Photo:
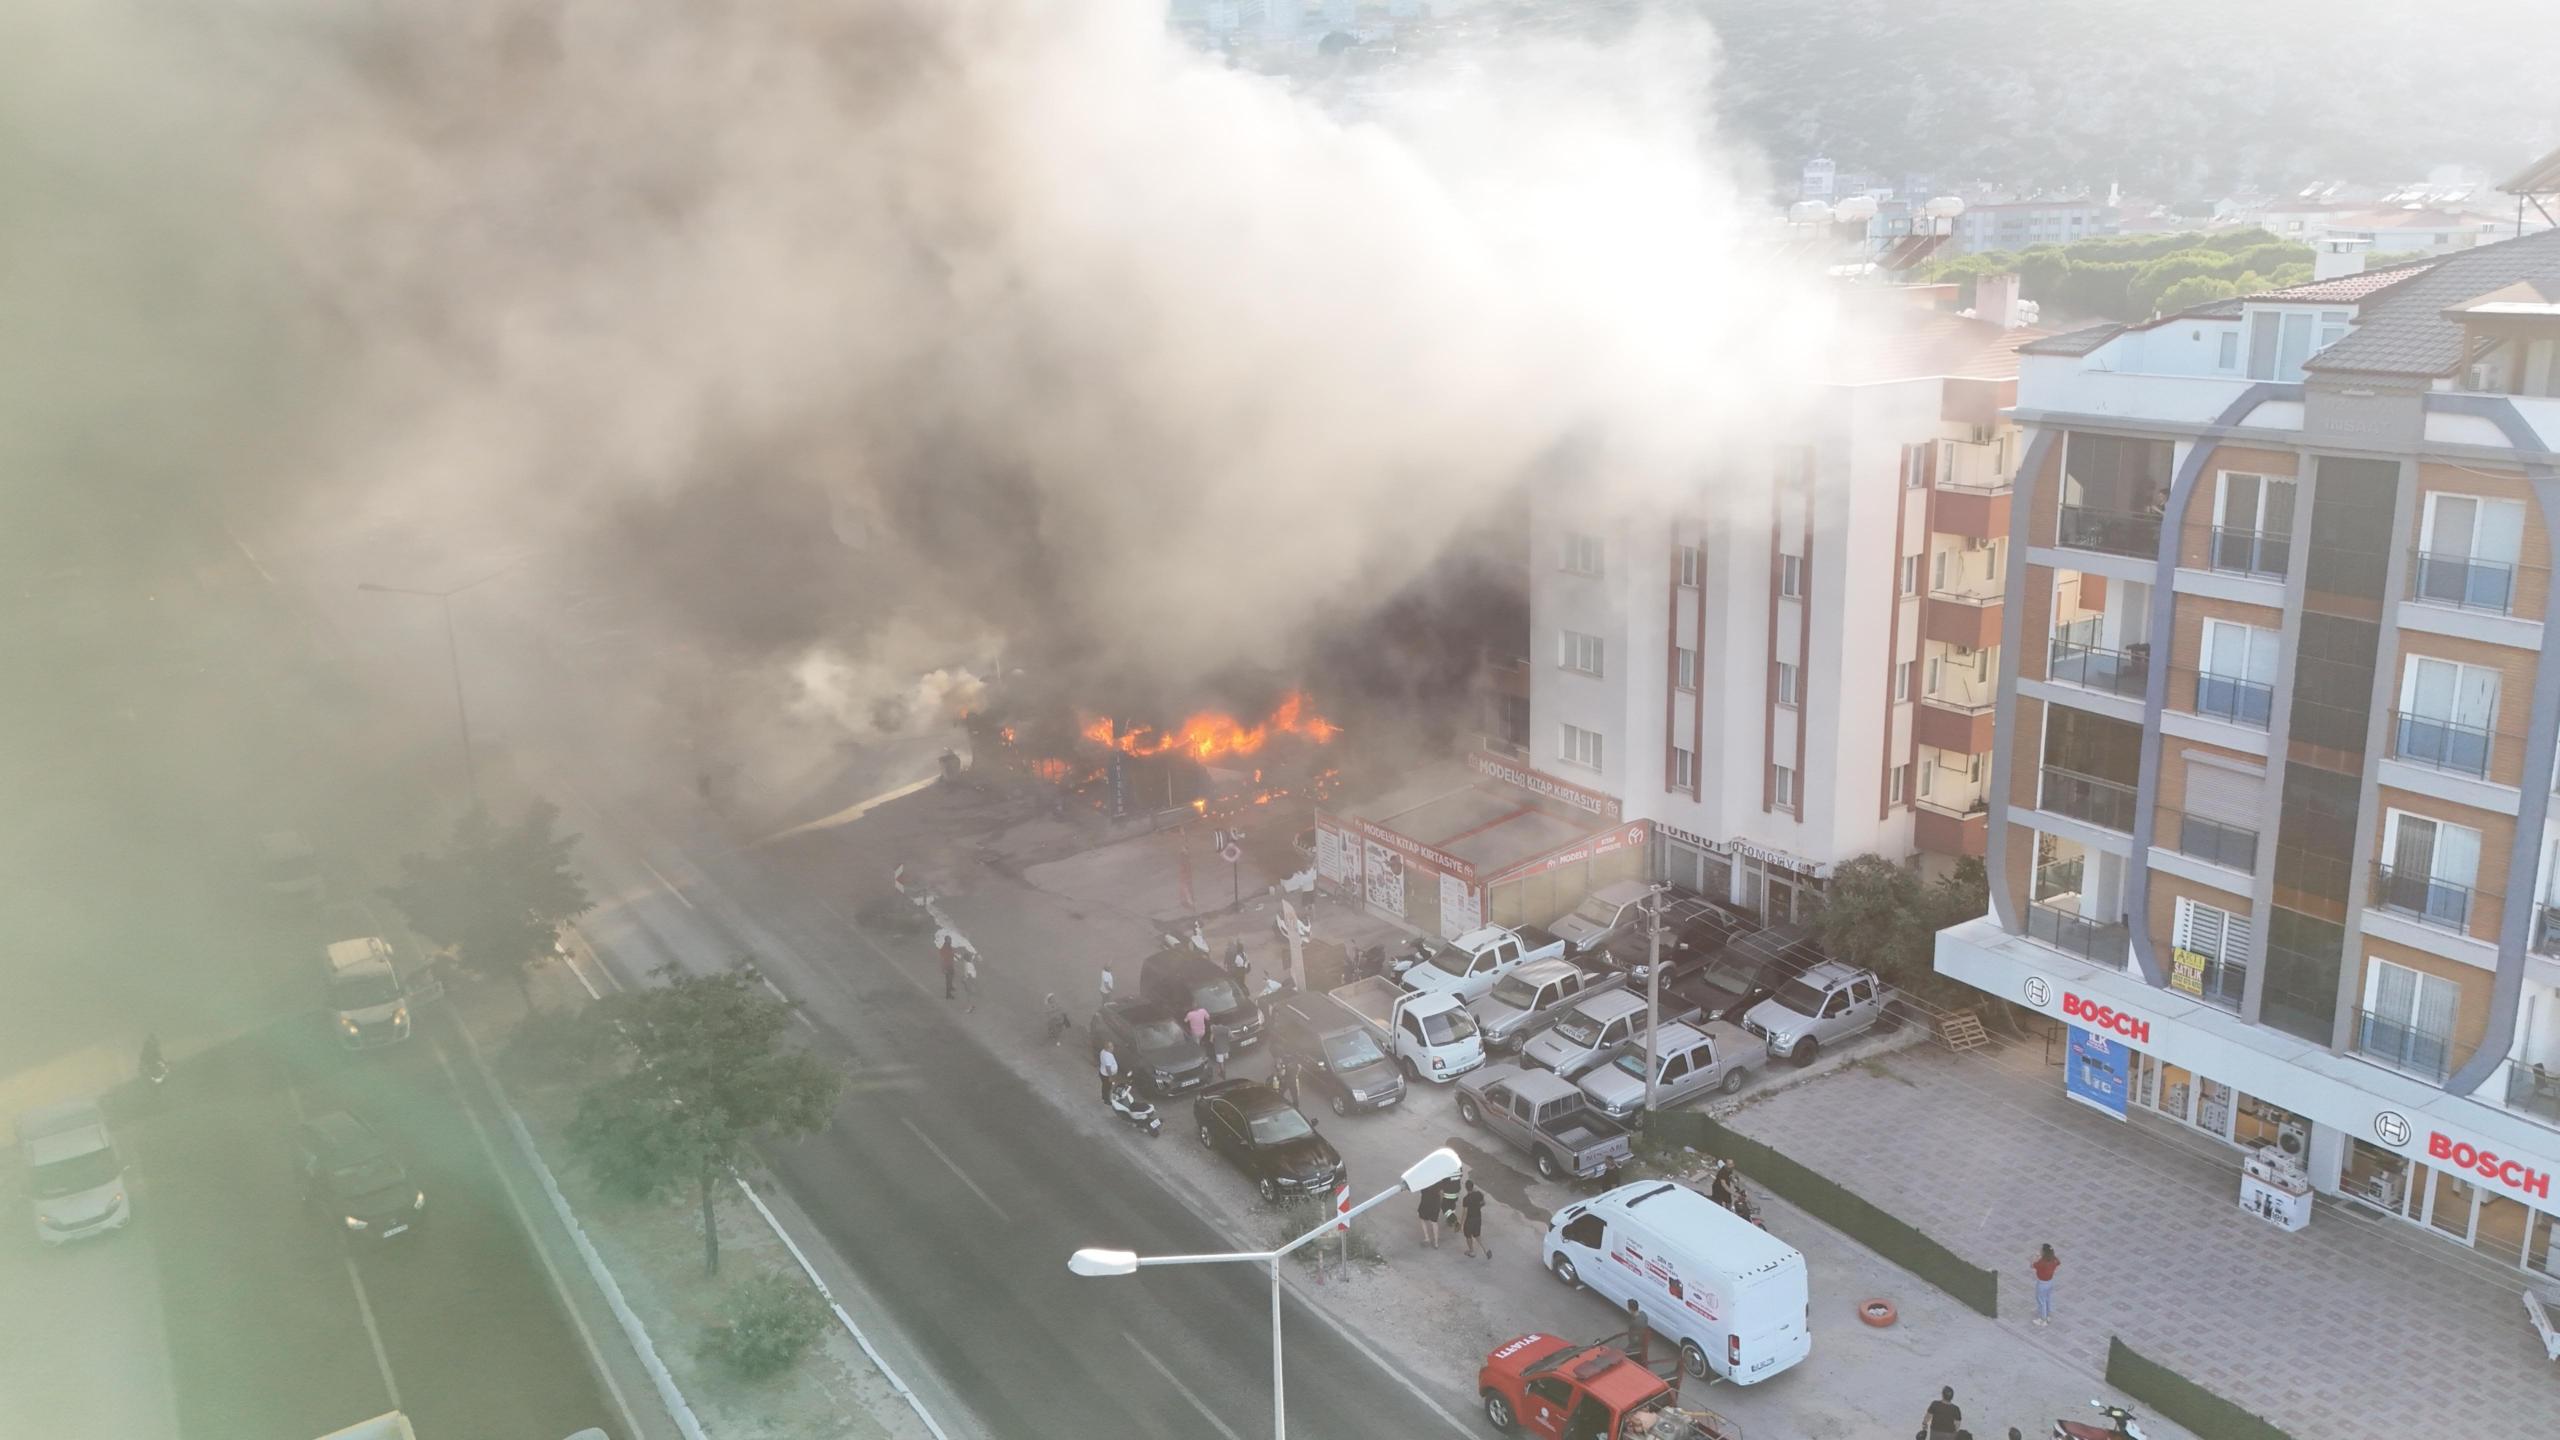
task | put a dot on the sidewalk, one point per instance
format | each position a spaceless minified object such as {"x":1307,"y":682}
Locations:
{"x":2353,"y":1328}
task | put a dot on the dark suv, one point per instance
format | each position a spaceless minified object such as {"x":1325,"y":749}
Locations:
{"x":351,"y":1177}
{"x":1181,"y":979}
{"x":1156,"y":1054}
{"x":1335,"y":1054}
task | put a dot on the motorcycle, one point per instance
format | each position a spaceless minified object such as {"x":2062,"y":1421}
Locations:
{"x":1140,"y":1115}
{"x":1176,"y":939}
{"x":1363,"y":963}
{"x":2123,"y":1426}
{"x":1280,"y":928}
{"x":1415,"y":952}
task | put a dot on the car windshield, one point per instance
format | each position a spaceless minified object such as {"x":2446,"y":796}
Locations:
{"x":1517,"y":993}
{"x":1155,"y":1034}
{"x":1799,"y":997}
{"x":1352,"y":1049}
{"x":75,"y":1173}
{"x":363,"y":1177}
{"x":1597,"y":910}
{"x":1448,"y":1028}
{"x":1578,"y":1027}
{"x":1456,"y":962}
{"x":1632,"y":1062}
{"x":1279,"y":1127}
{"x":1217,"y":996}
{"x":359,"y":992}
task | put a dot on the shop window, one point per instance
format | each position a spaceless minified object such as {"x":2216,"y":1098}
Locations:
{"x":2375,"y":1176}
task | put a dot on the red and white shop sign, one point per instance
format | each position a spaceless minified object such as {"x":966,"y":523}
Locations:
{"x":2096,"y":1016}
{"x":2488,"y":1165}
{"x":1608,"y":844}
{"x":1539,"y":782}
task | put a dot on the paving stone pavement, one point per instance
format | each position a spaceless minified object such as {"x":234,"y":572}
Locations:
{"x":2356,"y":1327}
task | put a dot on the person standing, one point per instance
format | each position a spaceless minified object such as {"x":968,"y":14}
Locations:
{"x":1727,"y":1185}
{"x":969,"y":976}
{"x":1944,"y":1416}
{"x":2044,"y":1266}
{"x":1106,"y":983}
{"x":950,"y":954}
{"x":1639,"y":1335}
{"x":1428,"y":1211}
{"x":1108,"y":1066}
{"x":1471,"y":1218}
{"x":1197,"y":1022}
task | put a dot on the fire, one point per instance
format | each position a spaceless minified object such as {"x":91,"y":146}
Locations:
{"x":1212,"y":734}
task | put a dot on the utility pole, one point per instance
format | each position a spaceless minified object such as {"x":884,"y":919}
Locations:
{"x":1652,"y":991}
{"x":453,"y":659}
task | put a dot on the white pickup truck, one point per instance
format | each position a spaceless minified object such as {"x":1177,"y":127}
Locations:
{"x":1468,"y":966}
{"x":1431,"y":1034}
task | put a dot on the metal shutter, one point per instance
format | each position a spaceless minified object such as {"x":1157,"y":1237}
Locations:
{"x":2231,"y":797}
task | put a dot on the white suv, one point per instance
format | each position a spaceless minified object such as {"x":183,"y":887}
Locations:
{"x":1825,"y":1005}
{"x":72,"y":1172}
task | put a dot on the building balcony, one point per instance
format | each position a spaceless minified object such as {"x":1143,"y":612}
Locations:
{"x":2090,"y":798}
{"x":1941,"y":830}
{"x":2442,"y":744}
{"x":2079,"y":936}
{"x":2233,"y":847}
{"x":2110,"y":532}
{"x":1965,"y":730}
{"x":2123,"y":672}
{"x":2462,"y":581}
{"x":2428,"y":899}
{"x":2546,"y":930}
{"x":2533,"y":1089}
{"x":2395,"y":1044}
{"x":1954,"y":618}
{"x":1974,"y":513}
{"x":2267,"y":554}
{"x":2223,"y":697}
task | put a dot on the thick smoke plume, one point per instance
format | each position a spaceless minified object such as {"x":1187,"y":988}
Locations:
{"x":850,"y":339}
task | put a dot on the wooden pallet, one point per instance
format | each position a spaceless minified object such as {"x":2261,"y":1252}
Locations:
{"x":1961,"y":1030}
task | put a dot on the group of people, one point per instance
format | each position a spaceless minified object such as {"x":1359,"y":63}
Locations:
{"x":1457,"y":1201}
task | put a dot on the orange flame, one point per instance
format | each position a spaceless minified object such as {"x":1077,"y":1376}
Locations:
{"x":1212,"y":734}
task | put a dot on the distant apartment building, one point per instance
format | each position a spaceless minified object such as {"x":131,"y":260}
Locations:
{"x":2015,"y":225}
{"x":2271,"y":820}
{"x":1794,"y":662}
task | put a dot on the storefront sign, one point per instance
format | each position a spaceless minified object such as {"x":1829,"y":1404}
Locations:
{"x":2186,"y":972}
{"x":1440,"y":860}
{"x":1609,"y":843}
{"x":1780,"y":858}
{"x":1458,"y":912}
{"x":2098,"y":1073}
{"x":2488,"y":1165}
{"x":2106,"y":1017}
{"x":1384,"y":872}
{"x":1337,"y":854}
{"x":1538,"y":782}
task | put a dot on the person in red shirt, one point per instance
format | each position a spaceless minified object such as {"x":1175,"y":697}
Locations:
{"x":2045,"y":1263}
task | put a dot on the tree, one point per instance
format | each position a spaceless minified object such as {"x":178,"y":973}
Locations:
{"x":705,"y":1075}
{"x":496,"y":898}
{"x":1868,"y":912}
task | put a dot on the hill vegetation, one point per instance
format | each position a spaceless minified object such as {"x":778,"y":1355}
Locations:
{"x":2134,"y":277}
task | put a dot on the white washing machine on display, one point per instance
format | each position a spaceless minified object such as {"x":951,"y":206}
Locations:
{"x":2275,"y":1188}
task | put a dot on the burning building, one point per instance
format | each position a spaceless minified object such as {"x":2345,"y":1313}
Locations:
{"x":1211,"y":761}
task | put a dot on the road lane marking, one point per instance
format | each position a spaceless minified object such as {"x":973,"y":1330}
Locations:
{"x":644,"y":864}
{"x":796,"y":1013}
{"x":1184,"y":1390}
{"x":955,"y":1169}
{"x":542,"y":1252}
{"x":372,"y":1332}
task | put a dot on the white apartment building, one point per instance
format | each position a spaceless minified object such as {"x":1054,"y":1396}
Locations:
{"x":1794,"y":661}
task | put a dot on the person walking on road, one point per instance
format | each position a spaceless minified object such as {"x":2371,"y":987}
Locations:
{"x":969,"y":976}
{"x":1107,"y":1065}
{"x":1471,"y":1218}
{"x":2045,"y":1263}
{"x":1107,"y":983}
{"x":1429,"y":1211}
{"x":1639,"y":1336}
{"x":950,"y":954}
{"x":1944,"y":1417}
{"x":1197,"y":1022}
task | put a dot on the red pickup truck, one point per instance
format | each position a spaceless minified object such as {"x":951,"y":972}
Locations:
{"x":1557,"y":1389}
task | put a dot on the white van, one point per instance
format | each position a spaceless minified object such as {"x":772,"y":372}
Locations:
{"x":365,"y":994}
{"x":1731,"y":1294}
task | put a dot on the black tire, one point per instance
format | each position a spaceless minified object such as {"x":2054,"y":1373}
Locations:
{"x":1564,"y":1271}
{"x":1468,"y":1112}
{"x":1339,"y":1103}
{"x":1694,"y":1358}
{"x":1412,"y":1074}
{"x":1206,"y":1142}
{"x":1733,"y":1079}
{"x":1270,"y":1192}
{"x":1806,"y":1050}
{"x":1498,"y":1411}
{"x":1546,"y":1165}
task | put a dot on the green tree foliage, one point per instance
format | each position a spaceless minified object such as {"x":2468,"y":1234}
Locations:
{"x":1878,"y":914}
{"x":494,"y":896}
{"x":2131,"y":277}
{"x":768,"y":1322}
{"x":705,"y":1075}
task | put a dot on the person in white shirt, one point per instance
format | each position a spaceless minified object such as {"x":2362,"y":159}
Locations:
{"x":1106,"y":984}
{"x":1108,"y":1066}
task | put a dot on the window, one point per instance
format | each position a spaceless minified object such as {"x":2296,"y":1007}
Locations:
{"x":1582,"y":553}
{"x":1786,"y":683}
{"x":1915,"y":467}
{"x":2279,"y":341}
{"x":1928,"y":768}
{"x":1905,"y":675}
{"x":2237,"y":681}
{"x":1898,"y":785}
{"x":1973,"y":771}
{"x":1910,"y":574}
{"x":2428,"y":868}
{"x":1790,"y":575}
{"x":1938,"y":569}
{"x":2211,"y":955}
{"x":2229,"y":359}
{"x":1684,"y":769}
{"x":1580,"y":747}
{"x":2447,"y":715}
{"x":1685,"y":561}
{"x":1684,"y":668}
{"x":1937,"y":666}
{"x":2408,"y":1019}
{"x":2333,"y":326}
{"x":1995,"y":558}
{"x":2467,"y":552}
{"x":1782,"y":785}
{"x":2253,"y":523}
{"x":1578,"y":651}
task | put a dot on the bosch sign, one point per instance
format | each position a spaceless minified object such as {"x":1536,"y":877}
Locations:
{"x":2489,"y":1165}
{"x":2106,"y":1017}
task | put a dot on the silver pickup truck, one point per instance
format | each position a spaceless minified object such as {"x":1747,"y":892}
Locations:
{"x":1522,"y":1002}
{"x":1543,"y":1114}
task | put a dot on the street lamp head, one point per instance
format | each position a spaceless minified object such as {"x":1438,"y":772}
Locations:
{"x":1441,"y":1164}
{"x":1103,"y":1262}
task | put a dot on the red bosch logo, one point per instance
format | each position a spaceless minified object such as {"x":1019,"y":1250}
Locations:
{"x":2489,"y":1165}
{"x":2105,"y":1017}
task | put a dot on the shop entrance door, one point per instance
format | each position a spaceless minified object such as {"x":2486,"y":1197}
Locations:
{"x":1782,"y":903}
{"x":2450,"y":1203}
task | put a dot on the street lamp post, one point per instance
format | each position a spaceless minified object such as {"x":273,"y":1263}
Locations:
{"x":453,"y":656}
{"x":1423,"y":1174}
{"x":1652,"y":993}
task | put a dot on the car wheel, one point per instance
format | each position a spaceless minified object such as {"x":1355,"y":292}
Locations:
{"x":1468,"y":1112}
{"x":1269,"y":1191}
{"x":1207,"y":1143}
{"x":1498,"y":1410}
{"x":1340,"y":1103}
{"x":1694,"y":1358}
{"x":1563,"y":1266}
{"x":1411,"y":1072}
{"x":1806,"y":1049}
{"x":1733,"y":1079}
{"x":1546,"y":1165}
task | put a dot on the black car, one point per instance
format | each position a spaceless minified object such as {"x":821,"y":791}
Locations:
{"x":1694,"y":931}
{"x":1335,"y":1054}
{"x":1156,"y":1054}
{"x":1181,"y":979}
{"x":1262,"y":1134}
{"x":351,"y":1177}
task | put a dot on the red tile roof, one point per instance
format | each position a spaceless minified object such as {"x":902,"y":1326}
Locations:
{"x":2345,"y":289}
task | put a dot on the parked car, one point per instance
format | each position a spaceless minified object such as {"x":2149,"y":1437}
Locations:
{"x":1255,"y":1129}
{"x":1731,"y":982}
{"x":1825,"y":1005}
{"x":1336,"y":1054}
{"x":1431,"y":1035}
{"x":1468,"y":966}
{"x":1157,"y":1055}
{"x":1586,"y":1033}
{"x":349,"y":1175}
{"x":73,"y":1174}
{"x":1690,"y":1059}
{"x":1180,"y":979}
{"x":1522,"y":1002}
{"x":1546,"y":1118}
{"x":1694,"y":931}
{"x":1602,"y":914}
{"x":1732,"y":1295}
{"x":1549,"y":1388}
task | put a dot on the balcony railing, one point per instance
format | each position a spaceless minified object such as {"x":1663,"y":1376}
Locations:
{"x":1968,"y":597}
{"x":2463,"y":581}
{"x":2403,"y":891}
{"x":2395,"y":1042}
{"x":2076,"y":934}
{"x":2534,"y":1089}
{"x":2441,"y":744}
{"x":2250,"y":552}
{"x":2224,"y":982}
{"x":2546,"y":930}
{"x":2094,"y":667}
{"x":2114,"y":532}
{"x":2213,"y":842}
{"x":2229,"y":697}
{"x":2102,"y":803}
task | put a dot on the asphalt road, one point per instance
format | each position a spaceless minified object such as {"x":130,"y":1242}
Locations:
{"x":956,"y":1194}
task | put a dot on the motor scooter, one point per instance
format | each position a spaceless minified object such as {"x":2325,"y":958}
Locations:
{"x":1140,"y":1115}
{"x":1280,"y":927}
{"x":1415,"y":952}
{"x":1195,"y":937}
{"x":2121,"y":1426}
